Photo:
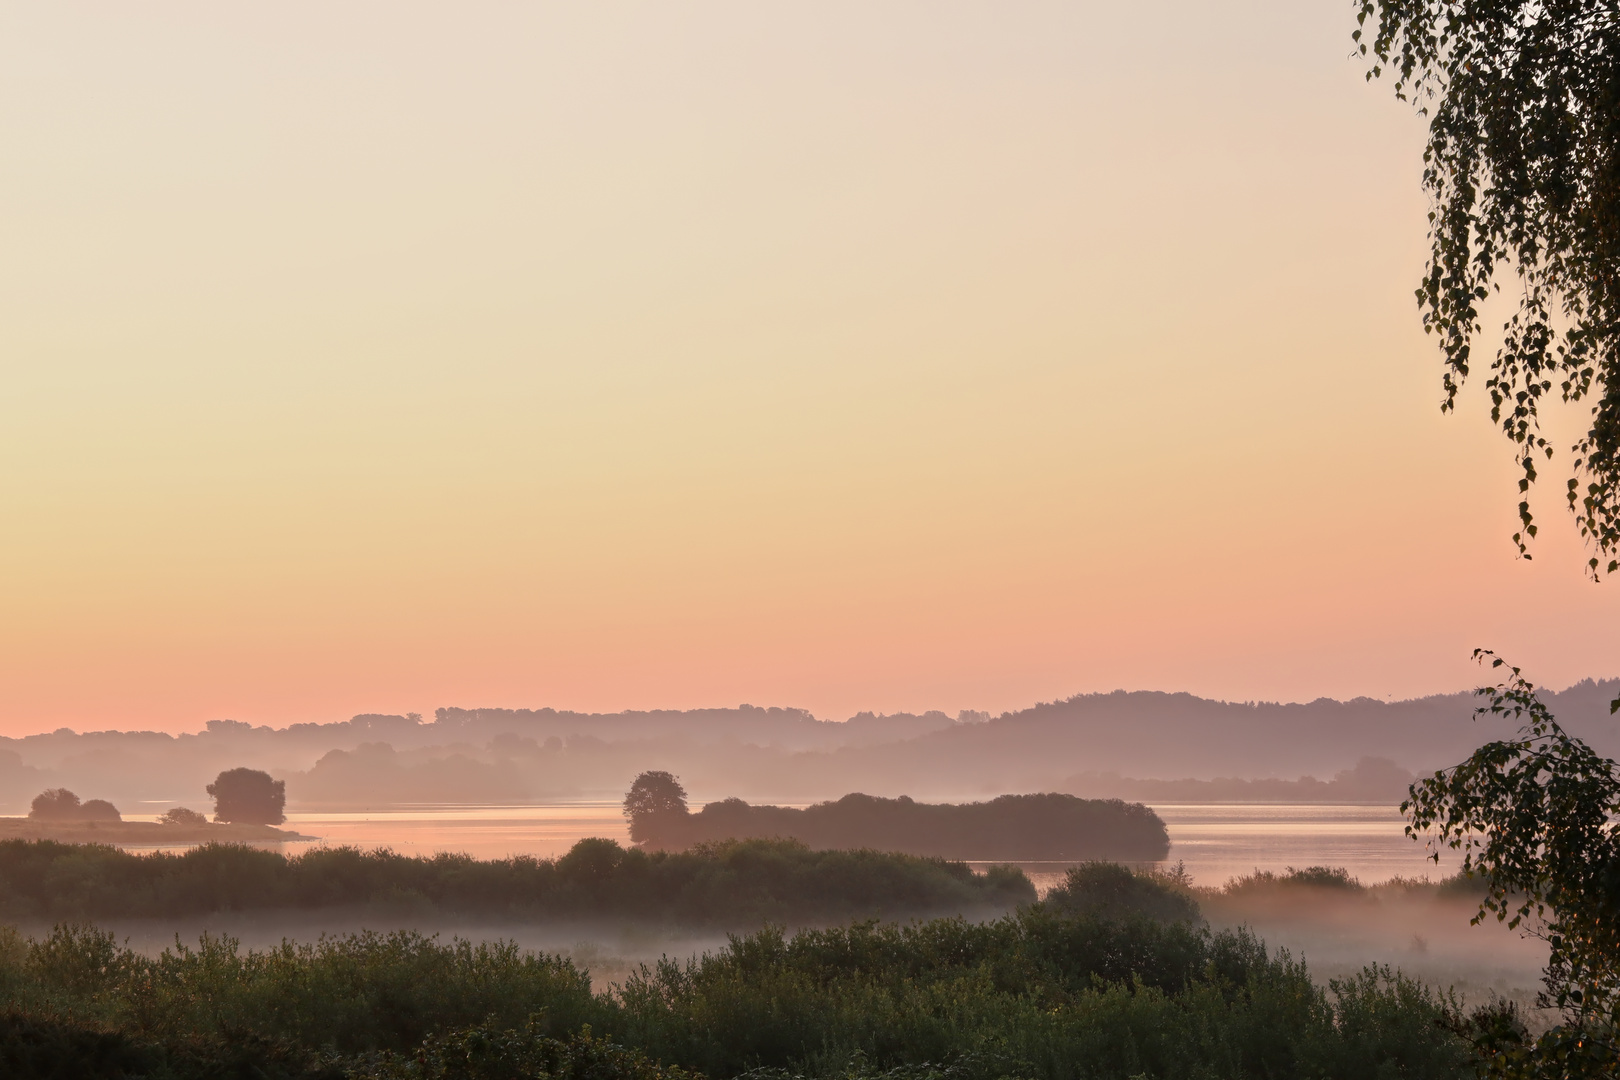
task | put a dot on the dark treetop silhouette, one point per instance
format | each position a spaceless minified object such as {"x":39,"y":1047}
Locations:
{"x":60,"y":804}
{"x":1012,"y":827}
{"x":249,"y":797}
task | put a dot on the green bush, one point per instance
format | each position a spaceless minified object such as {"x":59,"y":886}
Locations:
{"x":1312,"y":877}
{"x":1037,"y":994}
{"x":1042,"y":994}
{"x":1108,"y":890}
{"x":352,"y":993}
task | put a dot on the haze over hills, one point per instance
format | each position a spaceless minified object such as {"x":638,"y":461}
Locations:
{"x":1092,"y":744}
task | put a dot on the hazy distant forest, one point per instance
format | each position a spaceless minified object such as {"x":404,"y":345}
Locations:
{"x":1134,"y":746}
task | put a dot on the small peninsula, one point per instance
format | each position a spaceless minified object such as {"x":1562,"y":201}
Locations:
{"x":143,"y":833}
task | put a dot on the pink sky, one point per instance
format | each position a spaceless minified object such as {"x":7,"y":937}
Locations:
{"x":929,"y":356}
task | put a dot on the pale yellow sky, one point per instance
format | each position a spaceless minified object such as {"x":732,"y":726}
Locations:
{"x":376,"y":357}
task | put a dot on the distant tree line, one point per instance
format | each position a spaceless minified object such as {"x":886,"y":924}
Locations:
{"x":1373,"y":780}
{"x":1049,"y":826}
{"x":736,"y":884}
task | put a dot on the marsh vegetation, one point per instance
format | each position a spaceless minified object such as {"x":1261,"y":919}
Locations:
{"x":729,"y":884}
{"x":1065,"y":988}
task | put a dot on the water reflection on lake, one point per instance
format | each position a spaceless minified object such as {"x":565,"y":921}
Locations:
{"x":486,"y":832}
{"x":1218,"y":842}
{"x":1215,"y":841}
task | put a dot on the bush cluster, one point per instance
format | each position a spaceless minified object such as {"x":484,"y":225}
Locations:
{"x":1109,"y":890}
{"x":743,"y":883}
{"x":1039,"y":994}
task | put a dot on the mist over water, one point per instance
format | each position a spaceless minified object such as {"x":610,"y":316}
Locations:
{"x":1426,"y":935}
{"x":1214,"y":842}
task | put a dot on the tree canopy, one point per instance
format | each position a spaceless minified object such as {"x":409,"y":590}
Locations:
{"x":248,"y":796}
{"x":1537,"y":817}
{"x":653,"y":799}
{"x":1523,"y":167}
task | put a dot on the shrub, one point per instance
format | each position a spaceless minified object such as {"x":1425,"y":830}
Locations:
{"x":55,"y":804}
{"x":60,"y":804}
{"x":99,"y":810}
{"x":1312,"y":877}
{"x":1109,"y":890}
{"x":1038,"y":994}
{"x":180,"y":815}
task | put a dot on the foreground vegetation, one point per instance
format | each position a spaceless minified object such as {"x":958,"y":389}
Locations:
{"x":1055,"y":991}
{"x":725,"y":885}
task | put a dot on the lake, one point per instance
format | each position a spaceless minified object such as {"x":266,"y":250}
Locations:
{"x":1214,"y":841}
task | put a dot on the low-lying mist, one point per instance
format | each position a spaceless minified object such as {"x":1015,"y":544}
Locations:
{"x":1420,"y":928}
{"x":1335,"y":924}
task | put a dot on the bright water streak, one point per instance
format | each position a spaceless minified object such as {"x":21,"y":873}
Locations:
{"x":1216,"y":842}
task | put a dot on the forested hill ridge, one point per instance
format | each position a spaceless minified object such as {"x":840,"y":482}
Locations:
{"x":776,"y":754}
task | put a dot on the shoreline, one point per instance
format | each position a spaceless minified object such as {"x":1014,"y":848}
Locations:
{"x":119,"y":833}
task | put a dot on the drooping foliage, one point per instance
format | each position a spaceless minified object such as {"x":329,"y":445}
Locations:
{"x":1537,"y":818}
{"x":1523,"y":169}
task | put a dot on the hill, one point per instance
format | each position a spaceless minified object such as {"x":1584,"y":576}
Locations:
{"x":524,"y":756}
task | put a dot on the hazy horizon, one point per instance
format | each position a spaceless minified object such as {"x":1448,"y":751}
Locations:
{"x":925,"y":356}
{"x":962,"y":715}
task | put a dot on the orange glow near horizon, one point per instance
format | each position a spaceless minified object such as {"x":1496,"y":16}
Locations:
{"x":392,"y":357}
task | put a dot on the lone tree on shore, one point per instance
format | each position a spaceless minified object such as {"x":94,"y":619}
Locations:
{"x":248,"y":797}
{"x":655,"y":803}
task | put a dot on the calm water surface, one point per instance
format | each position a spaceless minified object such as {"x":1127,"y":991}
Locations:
{"x":1214,"y":841}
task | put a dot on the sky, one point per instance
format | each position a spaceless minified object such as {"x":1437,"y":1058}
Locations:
{"x":376,"y":357}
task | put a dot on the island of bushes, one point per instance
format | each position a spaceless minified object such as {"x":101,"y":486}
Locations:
{"x":1012,"y":828}
{"x":247,"y":806}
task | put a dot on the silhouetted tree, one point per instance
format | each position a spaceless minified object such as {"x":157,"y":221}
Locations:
{"x":656,"y":806}
{"x":55,"y":804}
{"x":248,"y":796}
{"x":99,"y":810}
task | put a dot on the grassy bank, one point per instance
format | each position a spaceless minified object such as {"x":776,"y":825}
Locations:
{"x":735,"y":884}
